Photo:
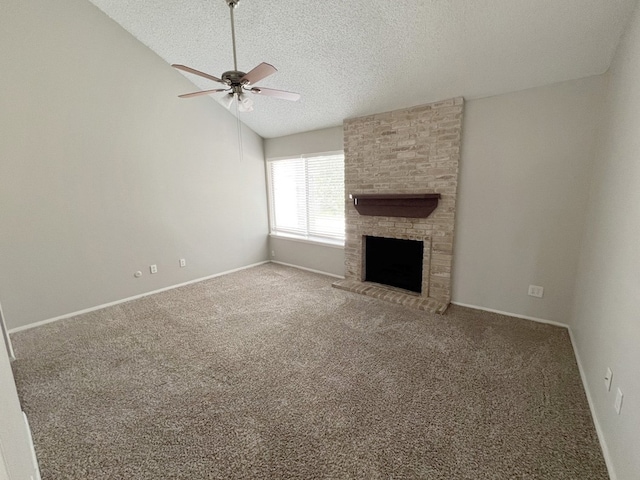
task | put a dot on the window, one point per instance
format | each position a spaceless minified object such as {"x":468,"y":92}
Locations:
{"x":306,"y":197}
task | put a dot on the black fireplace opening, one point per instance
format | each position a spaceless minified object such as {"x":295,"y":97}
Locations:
{"x":394,"y":262}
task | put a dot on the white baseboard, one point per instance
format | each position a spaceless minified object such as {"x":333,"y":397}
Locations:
{"x":34,"y":459}
{"x":599,"y":432}
{"x":128,"y":299}
{"x":516,"y":315}
{"x":308,"y":269}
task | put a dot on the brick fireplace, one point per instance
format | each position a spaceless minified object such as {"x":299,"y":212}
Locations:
{"x":407,"y":153}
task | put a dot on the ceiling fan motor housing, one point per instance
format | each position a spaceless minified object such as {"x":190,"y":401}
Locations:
{"x":233,"y":77}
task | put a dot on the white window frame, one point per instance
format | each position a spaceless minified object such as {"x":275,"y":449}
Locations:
{"x":305,"y":238}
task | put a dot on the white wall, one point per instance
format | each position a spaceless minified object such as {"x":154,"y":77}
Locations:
{"x":317,"y":141}
{"x":329,"y":259}
{"x":104,"y":171}
{"x":4,"y":474}
{"x":315,"y":256}
{"x":16,"y":461}
{"x":523,"y":186}
{"x":606,"y":317}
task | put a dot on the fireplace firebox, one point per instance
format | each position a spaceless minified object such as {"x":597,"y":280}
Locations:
{"x":394,"y":262}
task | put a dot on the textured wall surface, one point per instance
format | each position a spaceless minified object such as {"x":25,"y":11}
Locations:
{"x":606,"y":315}
{"x":105,"y":171}
{"x":414,"y":150}
{"x":526,"y":165}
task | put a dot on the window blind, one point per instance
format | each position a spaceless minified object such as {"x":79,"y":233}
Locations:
{"x":307,"y":196}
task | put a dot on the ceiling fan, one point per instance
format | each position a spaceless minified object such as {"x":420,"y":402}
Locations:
{"x":238,"y":83}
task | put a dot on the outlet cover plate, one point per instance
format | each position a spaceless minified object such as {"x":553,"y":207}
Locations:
{"x":618,"y":404}
{"x":536,"y":291}
{"x":607,"y":379}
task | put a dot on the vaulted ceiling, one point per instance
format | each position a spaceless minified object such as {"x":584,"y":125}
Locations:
{"x":357,"y":57}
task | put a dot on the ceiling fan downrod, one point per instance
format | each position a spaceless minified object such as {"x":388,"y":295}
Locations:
{"x":233,"y":4}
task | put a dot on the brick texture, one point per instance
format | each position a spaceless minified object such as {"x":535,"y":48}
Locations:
{"x":414,"y":150}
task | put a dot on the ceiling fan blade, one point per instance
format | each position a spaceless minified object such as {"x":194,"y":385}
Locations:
{"x":261,"y":71}
{"x":270,"y":92}
{"x":202,"y":92}
{"x":184,"y":68}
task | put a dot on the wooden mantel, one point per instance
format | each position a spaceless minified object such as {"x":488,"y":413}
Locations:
{"x":412,"y":205}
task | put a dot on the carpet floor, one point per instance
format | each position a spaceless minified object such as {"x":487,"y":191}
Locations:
{"x":270,"y":373}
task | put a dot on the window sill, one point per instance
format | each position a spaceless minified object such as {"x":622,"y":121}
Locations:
{"x":324,"y":242}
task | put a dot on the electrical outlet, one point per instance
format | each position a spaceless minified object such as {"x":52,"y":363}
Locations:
{"x":273,"y":254}
{"x":618,"y":404}
{"x":607,"y":379}
{"x":535,"y":291}
{"x":183,"y":262}
{"x":153,"y":268}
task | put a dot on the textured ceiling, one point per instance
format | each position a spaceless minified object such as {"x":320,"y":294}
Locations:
{"x":356,"y":57}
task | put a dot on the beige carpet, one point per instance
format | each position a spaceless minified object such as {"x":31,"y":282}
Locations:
{"x":269,"y":373}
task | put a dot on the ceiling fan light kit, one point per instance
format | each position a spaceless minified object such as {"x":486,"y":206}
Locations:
{"x":237,"y":83}
{"x":226,"y":100}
